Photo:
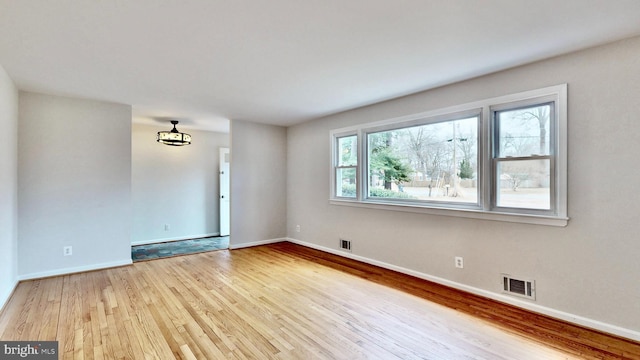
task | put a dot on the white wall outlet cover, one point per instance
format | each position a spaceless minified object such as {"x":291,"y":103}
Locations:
{"x":459,"y":262}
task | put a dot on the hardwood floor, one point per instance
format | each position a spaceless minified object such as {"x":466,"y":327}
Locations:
{"x":282,"y":301}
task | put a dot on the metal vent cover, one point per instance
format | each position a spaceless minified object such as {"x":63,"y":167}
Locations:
{"x":519,"y":287}
{"x":345,"y":244}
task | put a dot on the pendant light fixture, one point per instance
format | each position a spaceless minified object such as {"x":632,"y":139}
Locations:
{"x":174,"y":137}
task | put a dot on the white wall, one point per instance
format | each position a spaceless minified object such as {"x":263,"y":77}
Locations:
{"x":258,"y":183}
{"x":8,"y":186}
{"x":175,"y":185}
{"x":586,"y":272}
{"x":74,"y":184}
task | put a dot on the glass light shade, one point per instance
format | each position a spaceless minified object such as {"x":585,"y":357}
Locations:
{"x":173,"y":137}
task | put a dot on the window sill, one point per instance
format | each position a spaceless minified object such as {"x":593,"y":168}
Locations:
{"x":463,"y":213}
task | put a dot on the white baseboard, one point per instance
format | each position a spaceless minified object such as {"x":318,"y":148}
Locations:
{"x":156,"y":241}
{"x":561,"y":315}
{"x":6,"y":297}
{"x":255,"y":243}
{"x":74,"y":270}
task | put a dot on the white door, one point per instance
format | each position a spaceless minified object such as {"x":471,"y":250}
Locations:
{"x":224,"y":192}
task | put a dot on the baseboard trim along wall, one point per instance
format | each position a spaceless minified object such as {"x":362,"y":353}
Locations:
{"x":189,"y":237}
{"x":561,"y":315}
{"x":5,"y":301}
{"x":79,"y":269}
{"x":255,"y":243}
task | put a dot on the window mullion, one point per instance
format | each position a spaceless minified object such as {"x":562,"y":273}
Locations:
{"x":486,"y":175}
{"x":363,"y":159}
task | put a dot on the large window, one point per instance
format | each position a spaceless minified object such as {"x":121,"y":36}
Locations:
{"x":499,"y":159}
{"x":429,"y":162}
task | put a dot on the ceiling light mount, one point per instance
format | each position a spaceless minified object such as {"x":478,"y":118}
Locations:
{"x":174,"y":137}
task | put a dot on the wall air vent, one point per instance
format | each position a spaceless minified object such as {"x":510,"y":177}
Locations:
{"x":519,"y":287}
{"x":345,"y":245}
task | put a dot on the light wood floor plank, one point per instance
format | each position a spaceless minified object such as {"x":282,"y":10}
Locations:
{"x":282,"y":301}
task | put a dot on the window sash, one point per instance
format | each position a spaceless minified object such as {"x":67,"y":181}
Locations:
{"x":496,"y":187}
{"x":552,"y":210}
{"x":442,"y":119}
{"x":339,"y":186}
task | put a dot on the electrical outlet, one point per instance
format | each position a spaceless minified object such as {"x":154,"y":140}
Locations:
{"x":167,"y":227}
{"x":67,"y":250}
{"x":459,"y":261}
{"x":297,"y":228}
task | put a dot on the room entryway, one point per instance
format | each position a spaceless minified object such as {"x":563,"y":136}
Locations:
{"x":179,"y":247}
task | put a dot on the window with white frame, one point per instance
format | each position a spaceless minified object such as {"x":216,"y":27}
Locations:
{"x":523,"y":157}
{"x":431,"y":160}
{"x":346,"y":160}
{"x":499,"y":159}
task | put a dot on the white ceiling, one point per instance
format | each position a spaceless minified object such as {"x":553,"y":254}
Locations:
{"x":284,"y":61}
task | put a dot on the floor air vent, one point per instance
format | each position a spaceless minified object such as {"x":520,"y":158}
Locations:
{"x":519,"y":287}
{"x":345,"y":244}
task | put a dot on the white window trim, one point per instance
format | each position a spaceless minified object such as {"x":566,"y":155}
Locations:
{"x":558,"y":93}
